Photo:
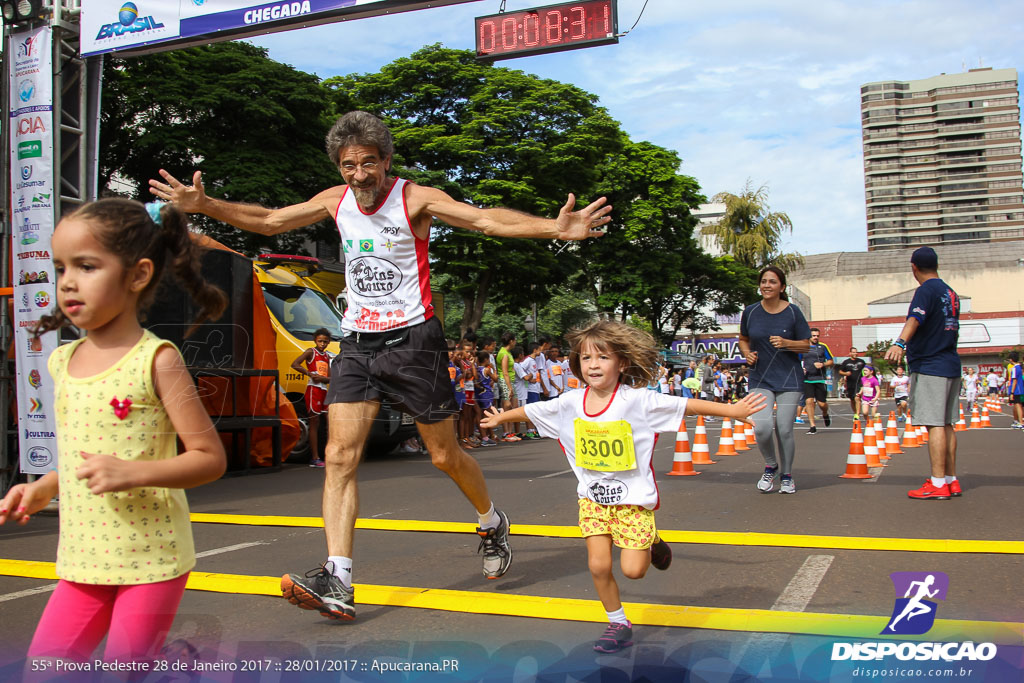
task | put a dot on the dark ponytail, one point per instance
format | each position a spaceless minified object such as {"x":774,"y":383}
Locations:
{"x":131,"y":231}
{"x":185,"y":264}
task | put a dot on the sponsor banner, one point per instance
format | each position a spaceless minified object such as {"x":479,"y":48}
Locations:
{"x":32,"y":223}
{"x":725,"y":349}
{"x":110,"y":25}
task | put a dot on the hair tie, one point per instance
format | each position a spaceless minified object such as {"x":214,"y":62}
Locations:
{"x":153,"y":209}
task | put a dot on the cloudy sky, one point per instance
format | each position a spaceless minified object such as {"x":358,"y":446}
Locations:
{"x":765,"y":90}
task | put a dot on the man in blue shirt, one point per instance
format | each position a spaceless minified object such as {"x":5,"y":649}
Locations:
{"x":929,"y":339}
{"x":1015,"y":389}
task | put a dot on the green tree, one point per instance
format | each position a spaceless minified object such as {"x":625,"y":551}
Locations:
{"x":751,"y":232}
{"x":876,"y":352}
{"x":255,"y":128}
{"x":489,"y":136}
{"x":648,"y":265}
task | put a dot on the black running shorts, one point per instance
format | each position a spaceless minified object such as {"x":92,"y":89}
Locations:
{"x":411,"y":374}
{"x":816,"y":390}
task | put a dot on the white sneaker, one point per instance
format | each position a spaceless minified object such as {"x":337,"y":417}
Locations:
{"x":787,"y":485}
{"x":767,"y":481}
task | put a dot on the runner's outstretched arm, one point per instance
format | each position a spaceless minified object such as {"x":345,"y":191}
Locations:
{"x":570,"y":225}
{"x":249,"y":217}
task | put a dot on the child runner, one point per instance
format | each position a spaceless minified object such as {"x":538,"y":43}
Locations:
{"x":608,"y":433}
{"x":900,"y":393}
{"x":317,"y":361}
{"x":970,"y":388}
{"x":122,"y":563}
{"x":869,"y":391}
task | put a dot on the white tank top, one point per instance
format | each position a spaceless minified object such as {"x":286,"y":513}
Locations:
{"x":386,"y":268}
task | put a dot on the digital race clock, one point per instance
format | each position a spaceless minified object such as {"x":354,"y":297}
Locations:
{"x":565,"y":26}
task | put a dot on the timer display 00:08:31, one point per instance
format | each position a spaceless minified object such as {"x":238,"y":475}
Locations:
{"x":552,"y":28}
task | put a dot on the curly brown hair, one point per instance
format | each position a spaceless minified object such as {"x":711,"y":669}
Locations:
{"x":633,"y":345}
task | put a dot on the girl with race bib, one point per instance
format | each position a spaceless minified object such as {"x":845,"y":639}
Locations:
{"x":608,"y":432}
{"x":125,"y":548}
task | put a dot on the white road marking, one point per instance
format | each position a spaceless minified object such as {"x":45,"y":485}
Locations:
{"x":760,"y":650}
{"x":50,"y":586}
{"x":554,"y":474}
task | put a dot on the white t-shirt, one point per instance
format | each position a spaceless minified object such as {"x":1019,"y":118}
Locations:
{"x":648,"y":414}
{"x":530,"y":370}
{"x":971,"y":384}
{"x":900,"y":386}
{"x":572,"y":382}
{"x":519,"y":380}
{"x":994,"y":380}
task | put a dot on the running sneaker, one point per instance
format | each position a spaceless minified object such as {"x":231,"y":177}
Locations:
{"x":787,"y":485}
{"x":661,"y":555}
{"x":767,"y":481}
{"x":497,"y":551}
{"x":812,"y":430}
{"x":488,"y":442}
{"x":316,"y":462}
{"x":798,"y":421}
{"x":615,"y":638}
{"x":510,"y":438}
{"x":930,"y":492}
{"x":828,"y":419}
{"x":321,"y":590}
{"x":954,"y":489}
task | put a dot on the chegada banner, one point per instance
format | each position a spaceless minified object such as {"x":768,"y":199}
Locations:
{"x":152,"y":25}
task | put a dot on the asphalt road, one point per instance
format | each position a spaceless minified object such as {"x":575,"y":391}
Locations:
{"x":531,"y":482}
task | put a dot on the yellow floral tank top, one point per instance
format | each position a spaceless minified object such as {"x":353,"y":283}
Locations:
{"x":141,"y":535}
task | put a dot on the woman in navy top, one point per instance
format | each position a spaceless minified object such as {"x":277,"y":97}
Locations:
{"x":773,"y":332}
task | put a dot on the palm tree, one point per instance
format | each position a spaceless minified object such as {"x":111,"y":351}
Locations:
{"x":750,"y":232}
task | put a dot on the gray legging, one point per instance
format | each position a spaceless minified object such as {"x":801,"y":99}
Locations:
{"x":788,"y":402}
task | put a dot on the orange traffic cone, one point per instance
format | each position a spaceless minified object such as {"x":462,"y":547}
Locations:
{"x":961,"y":425}
{"x":975,"y":418}
{"x":922,"y":434}
{"x":985,"y":421}
{"x":879,"y":431}
{"x":909,"y":434}
{"x":996,"y":405}
{"x":871,"y":446}
{"x":856,"y":463}
{"x":749,"y":433}
{"x":739,"y":437}
{"x":701,"y":451}
{"x":892,"y":437}
{"x":682,"y":461}
{"x":725,"y":444}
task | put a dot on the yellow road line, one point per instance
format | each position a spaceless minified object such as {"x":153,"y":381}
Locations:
{"x":923,"y":545}
{"x":570,"y":609}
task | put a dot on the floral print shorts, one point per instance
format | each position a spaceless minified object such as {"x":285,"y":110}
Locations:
{"x":630,"y":526}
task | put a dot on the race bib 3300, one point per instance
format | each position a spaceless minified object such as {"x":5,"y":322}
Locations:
{"x":604,"y":446}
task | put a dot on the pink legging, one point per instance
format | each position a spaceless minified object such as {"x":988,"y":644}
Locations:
{"x":135,"y":620}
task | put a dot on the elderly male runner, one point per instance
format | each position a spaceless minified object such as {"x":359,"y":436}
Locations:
{"x":393,"y":345}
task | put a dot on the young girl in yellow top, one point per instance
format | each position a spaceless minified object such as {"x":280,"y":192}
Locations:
{"x":122,"y":397}
{"x":608,"y":432}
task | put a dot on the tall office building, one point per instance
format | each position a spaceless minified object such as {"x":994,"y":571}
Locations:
{"x":942,"y":160}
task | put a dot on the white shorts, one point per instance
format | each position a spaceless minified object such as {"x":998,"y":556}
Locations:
{"x":521,"y":395}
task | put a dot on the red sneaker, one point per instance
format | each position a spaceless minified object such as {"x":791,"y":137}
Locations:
{"x":930,"y":492}
{"x":954,"y":489}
